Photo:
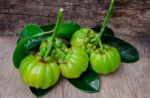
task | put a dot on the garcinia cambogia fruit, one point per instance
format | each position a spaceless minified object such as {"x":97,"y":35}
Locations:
{"x":86,"y":39}
{"x":75,"y":63}
{"x":39,"y":73}
{"x":106,"y":60}
{"x":58,"y":51}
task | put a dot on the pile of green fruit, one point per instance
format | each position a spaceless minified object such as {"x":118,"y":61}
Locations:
{"x":78,"y":54}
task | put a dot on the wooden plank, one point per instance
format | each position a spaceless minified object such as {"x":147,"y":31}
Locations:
{"x":127,"y":14}
{"x":130,"y":81}
{"x":130,"y":20}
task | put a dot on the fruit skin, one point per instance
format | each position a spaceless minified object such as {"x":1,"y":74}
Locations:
{"x":58,"y":51}
{"x":105,"y":61}
{"x":75,"y":63}
{"x":85,"y":38}
{"x":37,"y":73}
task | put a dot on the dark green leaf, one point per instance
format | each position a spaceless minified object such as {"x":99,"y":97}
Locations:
{"x":20,"y":52}
{"x":65,"y":30}
{"x":128,"y":53}
{"x":37,"y":40}
{"x":88,"y":82}
{"x":29,"y":30}
{"x":34,"y":41}
{"x":47,"y":27}
{"x":106,"y":31}
{"x":38,"y":92}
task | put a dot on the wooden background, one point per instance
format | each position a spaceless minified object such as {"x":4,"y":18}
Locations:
{"x":130,"y":20}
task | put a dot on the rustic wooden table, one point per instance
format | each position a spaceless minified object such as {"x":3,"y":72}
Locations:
{"x":130,"y":21}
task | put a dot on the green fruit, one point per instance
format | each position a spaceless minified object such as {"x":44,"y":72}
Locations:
{"x":85,"y":38}
{"x":105,"y":61}
{"x":58,"y":51}
{"x":38,"y":73}
{"x":75,"y":63}
{"x":44,"y":45}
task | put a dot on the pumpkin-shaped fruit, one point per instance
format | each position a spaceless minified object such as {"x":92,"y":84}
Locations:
{"x":75,"y":63}
{"x":105,"y":61}
{"x":85,"y":38}
{"x":38,"y":73}
{"x":58,"y":51}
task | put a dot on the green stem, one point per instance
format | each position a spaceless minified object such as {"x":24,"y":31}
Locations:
{"x":50,"y":45}
{"x":47,"y":32}
{"x":100,"y":42}
{"x":105,"y":22}
{"x":106,"y":17}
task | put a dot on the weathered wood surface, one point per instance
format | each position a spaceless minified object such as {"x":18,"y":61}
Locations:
{"x":130,"y":21}
{"x":130,"y":81}
{"x":132,"y":14}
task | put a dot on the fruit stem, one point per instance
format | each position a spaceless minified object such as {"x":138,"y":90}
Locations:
{"x":106,"y":17}
{"x":105,"y":23}
{"x":50,"y":45}
{"x":99,"y":42}
{"x":47,"y":32}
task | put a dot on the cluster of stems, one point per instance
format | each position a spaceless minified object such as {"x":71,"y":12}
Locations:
{"x":59,"y":17}
{"x":50,"y":44}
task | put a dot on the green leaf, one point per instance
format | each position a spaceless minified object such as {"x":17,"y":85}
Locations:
{"x":88,"y":82}
{"x":128,"y":53}
{"x":35,"y":41}
{"x":20,"y":52}
{"x":23,"y":47}
{"x":47,"y":27}
{"x":29,"y":30}
{"x":39,"y":92}
{"x":66,"y":29}
{"x":106,"y":31}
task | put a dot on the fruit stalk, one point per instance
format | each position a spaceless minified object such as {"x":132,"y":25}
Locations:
{"x":106,"y":17}
{"x":105,"y":22}
{"x":50,"y":45}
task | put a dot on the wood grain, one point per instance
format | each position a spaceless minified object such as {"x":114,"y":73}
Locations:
{"x":14,"y":14}
{"x":130,"y":20}
{"x":130,"y":81}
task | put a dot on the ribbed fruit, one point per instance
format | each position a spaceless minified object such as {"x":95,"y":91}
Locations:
{"x":58,"y":51}
{"x":85,"y":38}
{"x":37,"y":73}
{"x":105,"y":61}
{"x":75,"y":63}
